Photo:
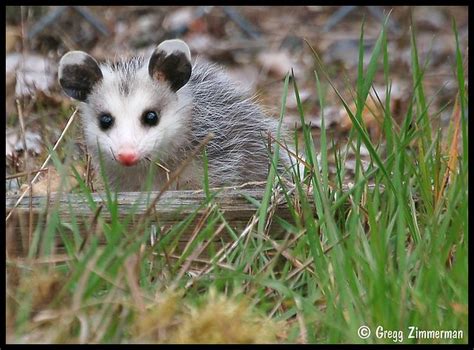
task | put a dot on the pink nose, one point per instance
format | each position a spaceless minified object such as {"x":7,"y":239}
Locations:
{"x":127,"y":158}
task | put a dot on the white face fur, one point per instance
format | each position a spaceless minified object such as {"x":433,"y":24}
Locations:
{"x":129,"y":132}
{"x":116,"y":99}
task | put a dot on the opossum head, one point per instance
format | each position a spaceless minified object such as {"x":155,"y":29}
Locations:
{"x":134,"y":110}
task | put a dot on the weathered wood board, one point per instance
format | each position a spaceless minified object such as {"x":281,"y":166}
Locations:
{"x":172,"y":207}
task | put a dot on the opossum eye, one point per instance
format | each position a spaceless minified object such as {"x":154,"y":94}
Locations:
{"x":150,"y":118}
{"x":106,"y":121}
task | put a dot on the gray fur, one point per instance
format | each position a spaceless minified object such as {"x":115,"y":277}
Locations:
{"x":126,"y":69}
{"x":238,"y":152}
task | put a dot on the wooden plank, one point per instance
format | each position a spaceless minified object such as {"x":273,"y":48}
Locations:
{"x":172,"y":207}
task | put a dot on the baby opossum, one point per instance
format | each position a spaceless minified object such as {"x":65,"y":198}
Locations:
{"x":158,"y":109}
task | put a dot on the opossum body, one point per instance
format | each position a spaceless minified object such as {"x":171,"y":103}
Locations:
{"x":144,"y":110}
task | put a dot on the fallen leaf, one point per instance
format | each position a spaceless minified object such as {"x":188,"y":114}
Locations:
{"x":12,"y":37}
{"x":178,"y":19}
{"x":33,"y":72}
{"x":33,"y":143}
{"x":14,"y":142}
{"x":53,"y":181}
{"x":278,"y":63}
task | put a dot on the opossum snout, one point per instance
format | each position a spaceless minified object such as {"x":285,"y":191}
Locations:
{"x":127,"y":157}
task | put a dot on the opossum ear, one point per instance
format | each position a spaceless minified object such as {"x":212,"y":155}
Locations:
{"x":171,"y":62}
{"x":78,"y":73}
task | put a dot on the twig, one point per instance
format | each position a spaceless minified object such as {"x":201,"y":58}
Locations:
{"x":248,"y":28}
{"x":301,"y":321}
{"x":220,"y":256}
{"x":25,"y":154}
{"x":310,"y":260}
{"x":71,"y":119}
{"x":131,"y":277}
{"x":343,"y":11}
{"x":196,"y":254}
{"x":250,"y":183}
{"x":93,"y":227}
{"x":167,"y":171}
{"x":198,"y":260}
{"x":52,"y":16}
{"x":89,"y":17}
{"x":46,"y":21}
{"x":337,"y":16}
{"x":57,"y":258}
{"x":198,"y":226}
{"x":24,"y":173}
{"x":89,"y":172}
{"x":290,"y":152}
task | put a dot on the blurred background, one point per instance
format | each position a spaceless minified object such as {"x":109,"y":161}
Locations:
{"x":258,"y":45}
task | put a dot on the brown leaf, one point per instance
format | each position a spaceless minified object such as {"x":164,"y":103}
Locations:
{"x":277,"y":63}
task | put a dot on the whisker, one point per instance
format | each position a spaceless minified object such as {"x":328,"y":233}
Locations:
{"x":113,"y":155}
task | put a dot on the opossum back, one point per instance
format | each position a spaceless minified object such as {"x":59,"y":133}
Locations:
{"x":239,"y":149}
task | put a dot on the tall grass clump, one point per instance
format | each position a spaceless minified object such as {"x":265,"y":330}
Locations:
{"x":398,"y":258}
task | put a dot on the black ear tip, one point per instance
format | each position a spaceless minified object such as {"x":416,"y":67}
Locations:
{"x":182,"y":74}
{"x":78,"y":73}
{"x":80,"y":95}
{"x":171,"y":62}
